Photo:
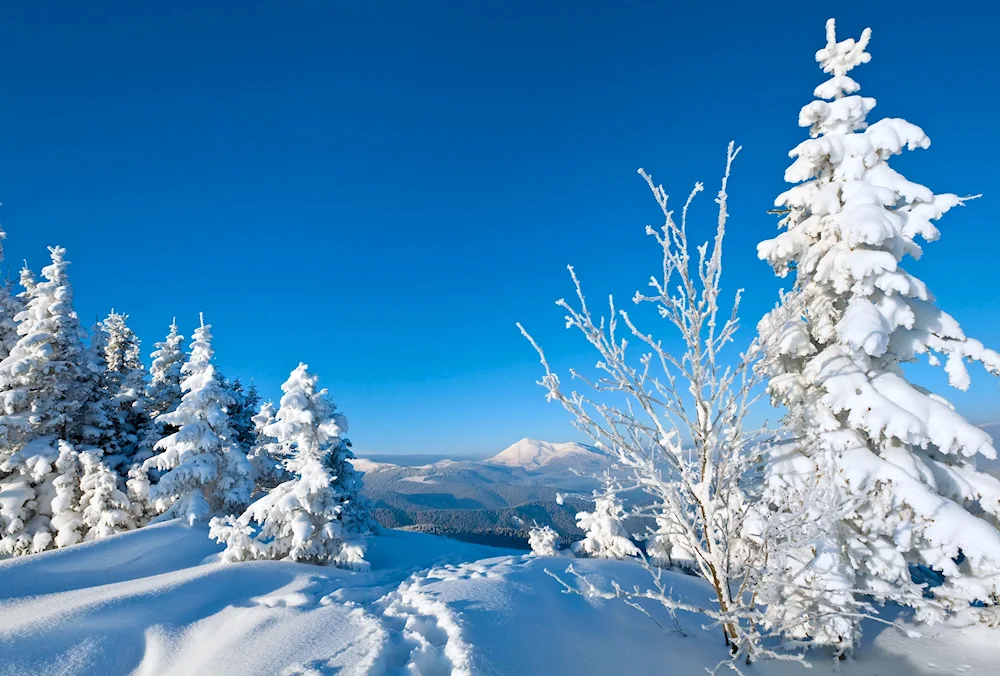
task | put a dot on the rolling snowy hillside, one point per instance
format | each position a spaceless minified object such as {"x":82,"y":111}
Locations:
{"x":155,"y":601}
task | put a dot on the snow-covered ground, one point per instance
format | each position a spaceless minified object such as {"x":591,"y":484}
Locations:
{"x":155,"y":601}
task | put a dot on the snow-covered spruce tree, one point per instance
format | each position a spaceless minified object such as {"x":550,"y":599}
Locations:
{"x":904,"y":454}
{"x":104,"y":509}
{"x":242,"y":413}
{"x":67,"y":522}
{"x":667,"y":546}
{"x":203,"y":470}
{"x":252,"y":401}
{"x":26,"y":279}
{"x":543,"y":541}
{"x":315,"y":517}
{"x":137,"y":487}
{"x":163,"y":393}
{"x":61,"y":497}
{"x":124,"y":382}
{"x":115,"y":410}
{"x":10,"y":306}
{"x":42,"y":386}
{"x":39,"y":498}
{"x":41,"y":379}
{"x":604,"y":528}
{"x":265,"y":453}
{"x":96,"y":425}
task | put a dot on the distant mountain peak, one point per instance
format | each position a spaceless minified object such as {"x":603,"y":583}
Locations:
{"x":532,"y":454}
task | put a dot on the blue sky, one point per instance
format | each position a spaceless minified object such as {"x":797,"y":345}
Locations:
{"x":381,"y":189}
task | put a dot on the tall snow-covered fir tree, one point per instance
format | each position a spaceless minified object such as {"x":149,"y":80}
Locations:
{"x":163,"y":391}
{"x":901,"y":456}
{"x":203,"y":469}
{"x":104,"y":509}
{"x":10,"y":306}
{"x":96,"y":428}
{"x":242,"y":412}
{"x":42,"y":380}
{"x":120,"y":390}
{"x":318,"y":516}
{"x":39,"y":498}
{"x":265,"y":453}
{"x":44,"y":386}
{"x":163,"y":395}
{"x":26,"y":278}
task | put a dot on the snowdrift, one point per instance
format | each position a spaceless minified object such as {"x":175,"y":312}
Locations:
{"x":155,"y":601}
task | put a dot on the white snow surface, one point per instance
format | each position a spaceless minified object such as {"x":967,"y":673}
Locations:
{"x":156,"y":601}
{"x":531,"y":454}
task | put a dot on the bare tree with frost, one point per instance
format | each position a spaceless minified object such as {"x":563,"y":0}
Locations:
{"x":675,"y":426}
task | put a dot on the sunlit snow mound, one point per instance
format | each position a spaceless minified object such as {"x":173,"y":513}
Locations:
{"x":532,"y":455}
{"x":155,"y":601}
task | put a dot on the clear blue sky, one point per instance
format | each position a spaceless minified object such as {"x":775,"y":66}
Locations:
{"x":381,"y":189}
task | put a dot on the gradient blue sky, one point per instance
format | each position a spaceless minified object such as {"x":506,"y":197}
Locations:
{"x":381,"y":189}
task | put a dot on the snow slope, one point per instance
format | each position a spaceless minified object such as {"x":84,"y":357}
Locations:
{"x":155,"y":601}
{"x":533,"y":455}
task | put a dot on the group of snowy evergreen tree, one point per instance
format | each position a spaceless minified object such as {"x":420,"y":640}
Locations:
{"x":91,"y":447}
{"x":873,"y":477}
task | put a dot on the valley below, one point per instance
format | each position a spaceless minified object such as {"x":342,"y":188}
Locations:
{"x":492,"y":501}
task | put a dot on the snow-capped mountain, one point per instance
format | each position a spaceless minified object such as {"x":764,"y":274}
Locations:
{"x":365,"y":465}
{"x":486,"y":500}
{"x":533,"y":455}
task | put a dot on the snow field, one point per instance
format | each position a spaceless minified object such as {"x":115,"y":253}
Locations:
{"x":157,"y":601}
